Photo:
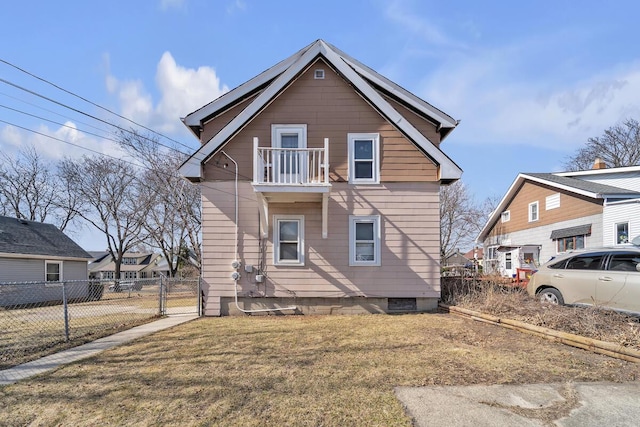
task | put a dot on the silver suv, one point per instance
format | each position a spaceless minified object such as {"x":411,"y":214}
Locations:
{"x":607,"y":277}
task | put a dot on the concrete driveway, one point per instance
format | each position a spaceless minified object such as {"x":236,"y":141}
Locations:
{"x":570,"y":404}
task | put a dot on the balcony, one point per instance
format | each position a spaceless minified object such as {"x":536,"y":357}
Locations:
{"x":290,"y":175}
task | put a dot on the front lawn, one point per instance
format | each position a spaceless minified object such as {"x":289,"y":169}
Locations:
{"x":293,"y":371}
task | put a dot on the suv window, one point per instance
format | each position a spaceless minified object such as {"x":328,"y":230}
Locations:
{"x":624,"y":261}
{"x":591,"y":261}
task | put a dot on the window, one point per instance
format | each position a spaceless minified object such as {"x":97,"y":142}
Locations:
{"x":364,"y":163}
{"x":622,"y":233}
{"x":625,"y":261}
{"x":552,"y":201}
{"x":53,"y":271}
{"x":288,"y":240}
{"x":507,"y":261}
{"x":505,"y":216}
{"x":586,"y":262}
{"x":570,"y":243}
{"x":128,"y":274}
{"x":533,"y":211}
{"x":364,"y":240}
{"x":318,"y":74}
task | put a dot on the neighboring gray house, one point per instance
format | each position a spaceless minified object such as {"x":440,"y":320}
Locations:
{"x":35,"y":251}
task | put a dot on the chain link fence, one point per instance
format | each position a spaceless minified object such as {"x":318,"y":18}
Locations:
{"x":41,"y":318}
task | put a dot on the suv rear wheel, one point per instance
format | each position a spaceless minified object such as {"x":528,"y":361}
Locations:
{"x":550,"y":295}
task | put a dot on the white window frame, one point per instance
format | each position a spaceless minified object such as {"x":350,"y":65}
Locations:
{"x":615,"y":233}
{"x":505,"y":216}
{"x":278,"y":129}
{"x":531,"y":205}
{"x":353,"y":220}
{"x":59,"y":263}
{"x":276,"y":240}
{"x":375,"y":138}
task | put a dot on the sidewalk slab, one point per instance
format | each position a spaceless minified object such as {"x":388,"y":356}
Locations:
{"x":54,"y":361}
{"x":568,"y":405}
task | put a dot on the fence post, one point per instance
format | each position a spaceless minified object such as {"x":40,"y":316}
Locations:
{"x":66,"y":313}
{"x":199,"y":296}
{"x":160,"y":301}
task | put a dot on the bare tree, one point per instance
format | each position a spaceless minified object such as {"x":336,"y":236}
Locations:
{"x":32,"y":189}
{"x":618,"y":146}
{"x":460,"y":219}
{"x":173,"y":217}
{"x":111,"y":189}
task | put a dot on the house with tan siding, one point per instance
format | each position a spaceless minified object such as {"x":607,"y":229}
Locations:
{"x":545,"y":214}
{"x":320,"y":187}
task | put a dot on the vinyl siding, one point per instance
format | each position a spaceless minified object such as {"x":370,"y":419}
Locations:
{"x":32,"y":270}
{"x":614,"y":214}
{"x":409,"y":215}
{"x":331,"y":109}
{"x":571,"y":207}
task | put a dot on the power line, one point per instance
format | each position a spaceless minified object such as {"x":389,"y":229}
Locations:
{"x":87,"y":114}
{"x":90,"y":102}
{"x":123,"y":160}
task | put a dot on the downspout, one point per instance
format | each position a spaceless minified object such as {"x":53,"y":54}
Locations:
{"x":236,"y":276}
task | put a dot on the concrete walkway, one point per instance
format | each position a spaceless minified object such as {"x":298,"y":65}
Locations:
{"x":54,"y":361}
{"x":570,"y":404}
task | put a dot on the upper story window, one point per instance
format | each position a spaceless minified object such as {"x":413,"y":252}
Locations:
{"x":129,"y":261}
{"x":622,"y":233}
{"x":364,"y":240}
{"x":288,"y":240}
{"x":364,"y":158}
{"x":53,"y":271}
{"x":289,"y":136}
{"x":505,"y":216}
{"x":534,"y":212}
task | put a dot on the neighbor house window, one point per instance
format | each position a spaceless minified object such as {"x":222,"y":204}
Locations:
{"x":533,"y":211}
{"x":129,"y":261}
{"x":364,"y":240}
{"x":128,"y":275}
{"x":506,"y":216}
{"x":622,"y":233}
{"x":53,"y":271}
{"x":364,"y":158}
{"x":570,"y":243}
{"x":507,"y":261}
{"x":288,"y":240}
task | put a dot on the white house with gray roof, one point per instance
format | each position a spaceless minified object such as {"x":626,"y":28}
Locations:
{"x":544,"y":214}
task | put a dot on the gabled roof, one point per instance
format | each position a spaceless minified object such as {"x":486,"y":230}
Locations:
{"x":37,"y":239}
{"x":577,"y":186}
{"x":270,"y":83}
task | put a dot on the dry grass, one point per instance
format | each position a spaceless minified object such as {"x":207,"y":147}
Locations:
{"x":493,"y":296}
{"x":294,"y":371}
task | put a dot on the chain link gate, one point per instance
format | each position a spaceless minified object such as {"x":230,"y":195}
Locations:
{"x":179,"y":296}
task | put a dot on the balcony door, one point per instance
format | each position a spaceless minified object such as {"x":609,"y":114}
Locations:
{"x":289,"y":162}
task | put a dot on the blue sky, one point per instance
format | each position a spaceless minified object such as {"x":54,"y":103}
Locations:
{"x":530,"y":81}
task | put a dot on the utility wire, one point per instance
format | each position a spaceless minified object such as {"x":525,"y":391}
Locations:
{"x":121,"y":159}
{"x":90,"y":102}
{"x":87,"y":114}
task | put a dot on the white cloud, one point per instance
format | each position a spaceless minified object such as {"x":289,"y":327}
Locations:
{"x":181,"y":91}
{"x":184,"y":90}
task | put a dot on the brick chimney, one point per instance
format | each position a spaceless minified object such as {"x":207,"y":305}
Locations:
{"x":599,"y":164}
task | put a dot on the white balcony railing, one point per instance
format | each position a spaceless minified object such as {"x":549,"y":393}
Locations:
{"x":291,"y":166}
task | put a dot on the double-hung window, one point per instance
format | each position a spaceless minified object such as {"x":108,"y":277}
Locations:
{"x":288,"y":240}
{"x":534,"y":212}
{"x":364,"y":240}
{"x":53,"y":271}
{"x":364,"y":158}
{"x":622,"y":233}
